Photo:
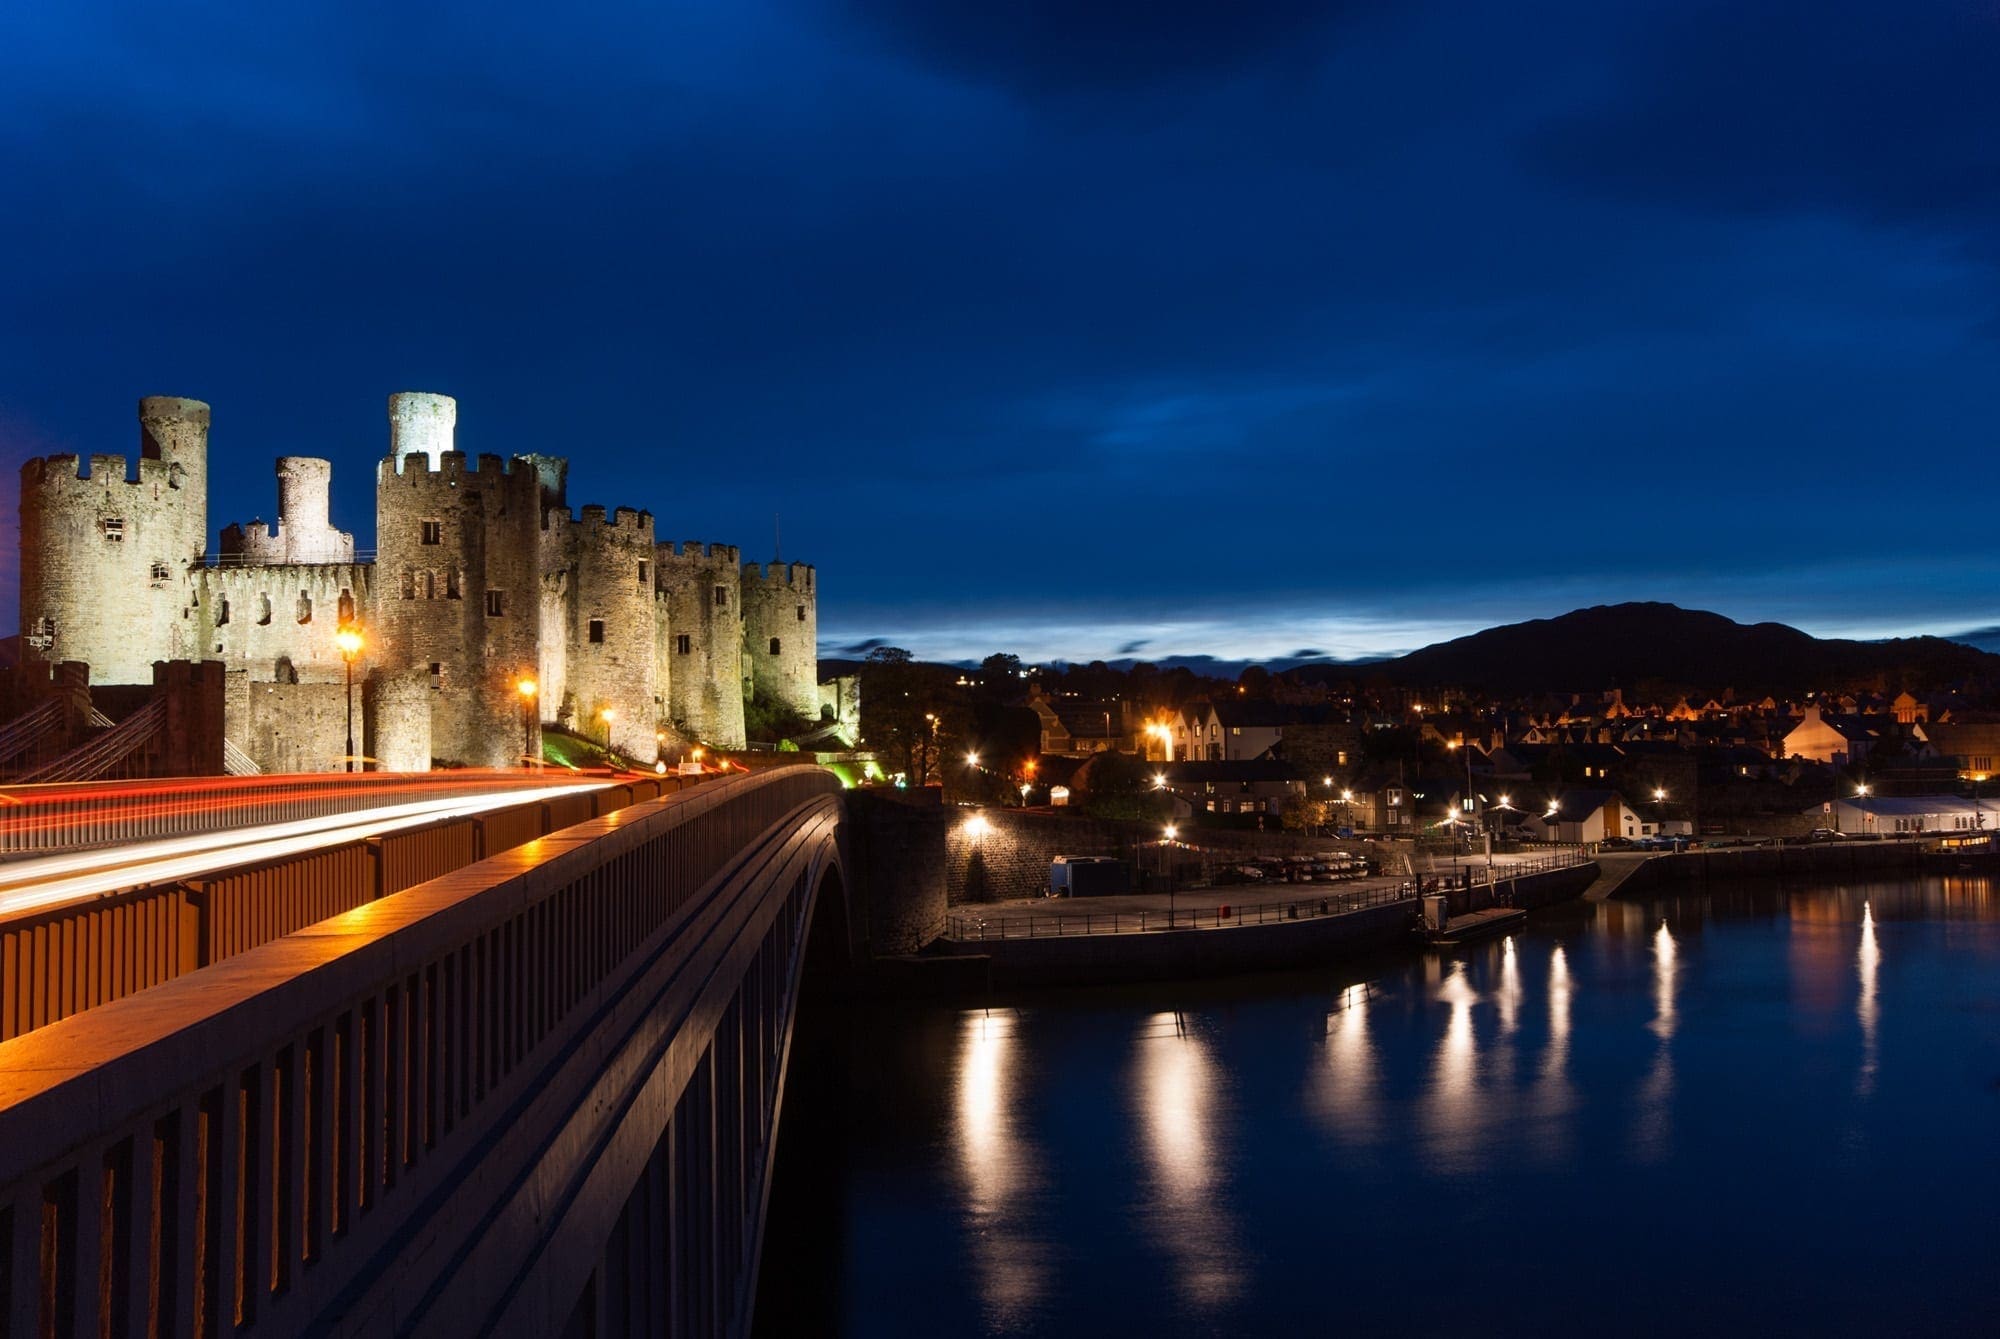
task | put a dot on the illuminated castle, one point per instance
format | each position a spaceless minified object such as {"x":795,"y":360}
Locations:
{"x":484,"y":581}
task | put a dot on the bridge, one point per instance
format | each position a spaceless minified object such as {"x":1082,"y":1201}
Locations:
{"x":537,"y":1094}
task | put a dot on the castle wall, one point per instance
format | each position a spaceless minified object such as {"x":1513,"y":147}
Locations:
{"x":299,"y":727}
{"x":705,"y":640}
{"x":278,"y":621}
{"x":781,"y":637}
{"x":610,"y":634}
{"x":397,"y":717}
{"x":458,"y":588}
{"x":106,"y":547}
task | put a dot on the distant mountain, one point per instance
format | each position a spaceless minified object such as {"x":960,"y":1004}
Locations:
{"x":1986,"y":639}
{"x":1623,"y":645}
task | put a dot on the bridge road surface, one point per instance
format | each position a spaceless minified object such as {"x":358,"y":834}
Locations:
{"x":41,"y":882}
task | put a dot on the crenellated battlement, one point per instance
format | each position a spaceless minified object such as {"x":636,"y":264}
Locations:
{"x":56,"y":472}
{"x":797,"y":577}
{"x":451,"y":469}
{"x":689,"y":551}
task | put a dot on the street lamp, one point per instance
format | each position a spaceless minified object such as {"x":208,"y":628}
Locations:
{"x":1169,"y":833}
{"x":348,"y":639}
{"x":527,"y":688}
{"x":607,"y":715}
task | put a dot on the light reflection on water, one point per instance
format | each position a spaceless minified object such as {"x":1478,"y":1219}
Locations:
{"x":997,"y":1167}
{"x":1218,"y":1158}
{"x":1181,"y":1209}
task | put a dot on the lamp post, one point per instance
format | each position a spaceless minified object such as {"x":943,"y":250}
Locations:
{"x":607,"y":715}
{"x":348,"y":639}
{"x":1168,"y":834}
{"x":527,"y":688}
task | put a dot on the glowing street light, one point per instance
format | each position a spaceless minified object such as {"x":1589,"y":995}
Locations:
{"x":972,"y":760}
{"x":527,"y":688}
{"x":348,"y":639}
{"x":607,"y":715}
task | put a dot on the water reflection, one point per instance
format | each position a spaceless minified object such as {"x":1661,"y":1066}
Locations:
{"x":997,"y":1166}
{"x":1510,"y":986}
{"x":1451,"y":1104}
{"x":1177,"y":1096}
{"x":1553,"y":1096}
{"x":1347,"y":1091}
{"x":1866,"y":1007}
{"x":1650,"y":1138}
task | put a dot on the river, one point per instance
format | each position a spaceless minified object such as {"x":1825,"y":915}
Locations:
{"x":1757,"y":1109}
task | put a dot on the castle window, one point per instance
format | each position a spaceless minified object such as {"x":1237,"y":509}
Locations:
{"x":802,"y":613}
{"x":430,"y":585}
{"x":264,"y":610}
{"x":114,"y":529}
{"x":437,"y":674}
{"x":305,"y":608}
{"x":159,"y":571}
{"x":44,"y":634}
{"x":597,"y":630}
{"x":346,"y":607}
{"x":494,"y":604}
{"x":409,"y":584}
{"x":722,"y":597}
{"x":433,"y":532}
{"x":774,"y":646}
{"x":684,"y":644}
{"x":644,"y":568}
{"x":222,"y":611}
{"x":451,"y":583}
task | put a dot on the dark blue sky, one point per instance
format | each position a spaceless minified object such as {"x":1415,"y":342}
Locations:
{"x":1070,"y":329}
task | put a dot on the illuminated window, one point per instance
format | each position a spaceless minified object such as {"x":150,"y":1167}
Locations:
{"x":684,"y":644}
{"x":597,"y":630}
{"x":495,"y":605}
{"x":114,"y":529}
{"x":433,"y":532}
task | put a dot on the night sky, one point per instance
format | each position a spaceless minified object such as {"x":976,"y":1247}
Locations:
{"x":1069,"y":329}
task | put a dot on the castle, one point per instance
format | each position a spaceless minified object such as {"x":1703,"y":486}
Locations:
{"x":490,"y":606}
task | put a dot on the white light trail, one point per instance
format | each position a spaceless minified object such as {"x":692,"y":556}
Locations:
{"x":50,"y":881}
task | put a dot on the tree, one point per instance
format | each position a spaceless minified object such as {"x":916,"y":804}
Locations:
{"x":1118,"y":785}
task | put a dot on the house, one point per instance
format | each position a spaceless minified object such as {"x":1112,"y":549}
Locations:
{"x":1841,"y":739}
{"x":1908,"y":815}
{"x":1578,"y":816}
{"x":1974,"y":746}
{"x":1247,"y":786}
{"x":1076,"y":728}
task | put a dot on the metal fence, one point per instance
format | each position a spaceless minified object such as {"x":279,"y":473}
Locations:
{"x":1219,"y":916}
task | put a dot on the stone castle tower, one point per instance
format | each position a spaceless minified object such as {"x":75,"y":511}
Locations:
{"x":107,"y":550}
{"x":781,"y":637}
{"x":483,"y":580}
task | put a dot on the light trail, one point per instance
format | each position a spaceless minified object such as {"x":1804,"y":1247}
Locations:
{"x":50,"y":881}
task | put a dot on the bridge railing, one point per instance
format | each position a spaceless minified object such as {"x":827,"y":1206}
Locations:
{"x":252,"y":1144}
{"x":43,"y":819}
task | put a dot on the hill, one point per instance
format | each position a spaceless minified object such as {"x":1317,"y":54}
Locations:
{"x":1624,"y":645}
